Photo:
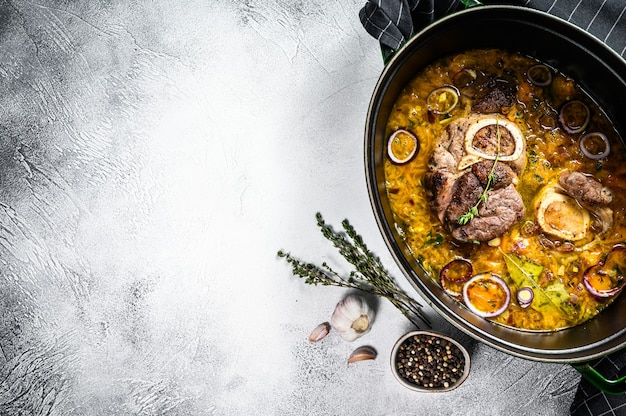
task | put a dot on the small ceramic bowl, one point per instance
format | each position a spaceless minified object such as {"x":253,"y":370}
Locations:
{"x":427,"y":361}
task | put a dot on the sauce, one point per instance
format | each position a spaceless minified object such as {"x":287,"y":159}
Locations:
{"x":525,"y":255}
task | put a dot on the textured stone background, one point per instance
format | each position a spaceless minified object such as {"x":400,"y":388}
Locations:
{"x":154,"y":156}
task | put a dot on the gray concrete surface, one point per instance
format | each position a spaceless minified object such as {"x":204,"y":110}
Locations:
{"x":154,"y":157}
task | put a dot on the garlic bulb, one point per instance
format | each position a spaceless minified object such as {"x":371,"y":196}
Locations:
{"x":352,"y":317}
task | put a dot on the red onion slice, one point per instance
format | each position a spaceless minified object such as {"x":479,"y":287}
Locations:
{"x":525,"y":296}
{"x":442,"y":100}
{"x":606,"y":278}
{"x":454,"y":275}
{"x":402,"y":146}
{"x":539,"y":75}
{"x":487,"y":295}
{"x":574,"y":116}
{"x":464,"y":78}
{"x":459,"y":270}
{"x":595,"y":145}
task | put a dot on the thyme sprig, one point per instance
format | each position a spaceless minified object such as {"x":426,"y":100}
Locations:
{"x":473,"y":210}
{"x":370,"y":276}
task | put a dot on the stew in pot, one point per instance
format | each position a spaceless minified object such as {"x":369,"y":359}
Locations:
{"x":508,"y":184}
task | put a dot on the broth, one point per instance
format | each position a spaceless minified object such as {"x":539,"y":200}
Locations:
{"x":527,"y":253}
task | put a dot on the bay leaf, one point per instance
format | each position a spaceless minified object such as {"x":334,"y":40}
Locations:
{"x":526,"y":273}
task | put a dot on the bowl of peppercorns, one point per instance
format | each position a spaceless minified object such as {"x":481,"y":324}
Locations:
{"x":427,"y":361}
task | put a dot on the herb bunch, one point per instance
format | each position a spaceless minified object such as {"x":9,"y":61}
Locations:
{"x":473,"y":211}
{"x":369,"y":275}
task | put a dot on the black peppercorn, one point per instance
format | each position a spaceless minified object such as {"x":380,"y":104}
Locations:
{"x":429,"y":362}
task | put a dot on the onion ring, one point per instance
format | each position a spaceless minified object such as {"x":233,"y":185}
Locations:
{"x":589,"y":142}
{"x":525,"y":296}
{"x":574,"y":116}
{"x":539,"y":75}
{"x":464,"y":78}
{"x":454,"y":275}
{"x":396,"y":140}
{"x":459,"y":270}
{"x":484,"y":288}
{"x":442,"y":100}
{"x":607,"y":271}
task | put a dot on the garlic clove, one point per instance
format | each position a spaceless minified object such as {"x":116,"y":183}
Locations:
{"x":319,"y":332}
{"x":362,"y":354}
{"x":352,"y":317}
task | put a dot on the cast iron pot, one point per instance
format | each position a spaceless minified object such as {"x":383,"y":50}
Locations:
{"x":600,"y":71}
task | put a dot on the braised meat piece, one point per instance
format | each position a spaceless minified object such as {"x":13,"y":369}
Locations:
{"x":442,"y":159}
{"x":451,"y":146}
{"x":503,"y":174}
{"x":585,"y":189}
{"x":458,"y":178}
{"x":439,"y":185}
{"x":503,"y":208}
{"x":494,"y":94}
{"x":465,"y":194}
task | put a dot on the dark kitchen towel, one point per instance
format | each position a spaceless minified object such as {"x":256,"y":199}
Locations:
{"x":393,"y":22}
{"x":591,"y":401}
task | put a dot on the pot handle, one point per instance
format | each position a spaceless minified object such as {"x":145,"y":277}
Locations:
{"x":388,"y":53}
{"x":617,"y":386}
